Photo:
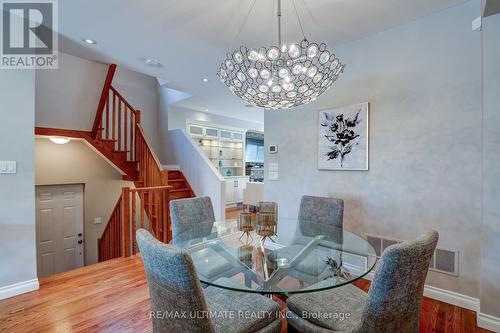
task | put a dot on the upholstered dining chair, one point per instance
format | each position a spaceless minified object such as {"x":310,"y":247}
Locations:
{"x":179,"y":303}
{"x":194,"y":218}
{"x":187,"y":214}
{"x":316,"y":215}
{"x":392,"y":304}
{"x":321,"y":210}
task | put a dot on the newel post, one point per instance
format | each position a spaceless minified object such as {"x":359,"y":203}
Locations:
{"x":126,"y":221}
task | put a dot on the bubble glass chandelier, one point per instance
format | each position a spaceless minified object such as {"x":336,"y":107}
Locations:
{"x":280,"y":77}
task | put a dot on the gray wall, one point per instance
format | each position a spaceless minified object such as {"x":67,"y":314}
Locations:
{"x":490,"y":264}
{"x":17,"y":191}
{"x":423,"y":82}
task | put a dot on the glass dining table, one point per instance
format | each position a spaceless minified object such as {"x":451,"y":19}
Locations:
{"x":300,"y":256}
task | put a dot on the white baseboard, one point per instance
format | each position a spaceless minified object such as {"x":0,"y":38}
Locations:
{"x":446,"y":296}
{"x":451,"y":297}
{"x":488,"y":322}
{"x":18,"y":288}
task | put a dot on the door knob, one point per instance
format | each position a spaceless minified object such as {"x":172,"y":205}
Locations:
{"x":80,"y":241}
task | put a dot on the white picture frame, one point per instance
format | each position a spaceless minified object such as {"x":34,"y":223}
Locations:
{"x":343,"y":138}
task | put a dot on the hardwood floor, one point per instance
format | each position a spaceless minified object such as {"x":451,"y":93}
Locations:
{"x":233,"y":213}
{"x":112,"y":296}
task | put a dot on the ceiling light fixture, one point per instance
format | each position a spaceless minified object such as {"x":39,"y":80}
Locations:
{"x":283,"y":76}
{"x":152,"y":62}
{"x":205,"y":79}
{"x":59,"y":141}
{"x":89,"y":41}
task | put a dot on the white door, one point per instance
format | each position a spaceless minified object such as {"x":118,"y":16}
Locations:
{"x":59,"y":228}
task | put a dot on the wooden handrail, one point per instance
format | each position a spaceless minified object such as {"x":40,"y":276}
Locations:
{"x":142,"y":189}
{"x":146,"y":206}
{"x":103,"y":99}
{"x":124,"y":101}
{"x":150,"y":169}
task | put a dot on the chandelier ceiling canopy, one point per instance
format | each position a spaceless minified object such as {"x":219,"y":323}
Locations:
{"x":280,"y":77}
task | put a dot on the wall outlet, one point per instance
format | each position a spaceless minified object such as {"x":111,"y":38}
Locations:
{"x":97,"y":220}
{"x":8,"y":166}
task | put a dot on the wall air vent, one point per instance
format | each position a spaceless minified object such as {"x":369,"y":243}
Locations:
{"x":443,"y":260}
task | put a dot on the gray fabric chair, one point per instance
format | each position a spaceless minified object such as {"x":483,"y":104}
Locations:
{"x":392,"y":304}
{"x":194,"y":218}
{"x":321,"y":210}
{"x":316,"y":215}
{"x":175,"y":289}
{"x":189,"y":213}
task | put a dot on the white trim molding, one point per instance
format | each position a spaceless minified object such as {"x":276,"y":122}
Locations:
{"x":19,"y":288}
{"x":451,"y":297}
{"x":488,"y":322}
{"x":171,"y":167}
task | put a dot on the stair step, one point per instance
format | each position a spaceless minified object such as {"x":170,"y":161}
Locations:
{"x":108,"y":140}
{"x":174,"y":174}
{"x":179,"y":195}
{"x":178,"y":184}
{"x":179,"y":190}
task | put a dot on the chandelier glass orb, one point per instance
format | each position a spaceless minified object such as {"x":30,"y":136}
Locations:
{"x":280,"y":77}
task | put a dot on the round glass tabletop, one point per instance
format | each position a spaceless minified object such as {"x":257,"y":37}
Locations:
{"x":290,"y":256}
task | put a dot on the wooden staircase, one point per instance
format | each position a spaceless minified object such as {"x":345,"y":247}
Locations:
{"x":117,"y":134}
{"x":179,"y":186}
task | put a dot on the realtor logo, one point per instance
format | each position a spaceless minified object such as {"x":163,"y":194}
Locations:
{"x":29,"y":35}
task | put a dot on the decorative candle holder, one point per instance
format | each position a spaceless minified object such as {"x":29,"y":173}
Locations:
{"x":245,"y":224}
{"x":267,"y":219}
{"x":266,"y":225}
{"x":269,"y":207}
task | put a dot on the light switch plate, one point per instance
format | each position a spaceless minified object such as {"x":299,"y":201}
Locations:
{"x":97,"y":220}
{"x":8,"y":166}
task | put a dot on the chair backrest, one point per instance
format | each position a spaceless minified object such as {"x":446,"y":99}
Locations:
{"x":322,"y":210}
{"x":187,"y":214}
{"x":395,"y":295}
{"x":174,"y":287}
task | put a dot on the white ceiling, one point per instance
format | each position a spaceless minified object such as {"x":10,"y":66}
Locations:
{"x":190,"y":37}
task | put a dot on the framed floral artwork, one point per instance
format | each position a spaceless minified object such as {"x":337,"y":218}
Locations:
{"x":343,"y":138}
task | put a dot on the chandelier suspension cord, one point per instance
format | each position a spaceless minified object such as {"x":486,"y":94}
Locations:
{"x":314,"y":20}
{"x":245,"y":20}
{"x":298,"y":19}
{"x":279,"y":23}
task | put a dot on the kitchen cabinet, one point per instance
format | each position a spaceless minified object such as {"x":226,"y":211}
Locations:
{"x":234,"y":189}
{"x":224,"y":147}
